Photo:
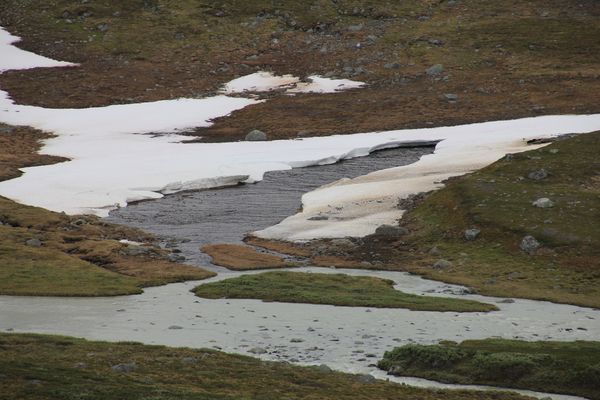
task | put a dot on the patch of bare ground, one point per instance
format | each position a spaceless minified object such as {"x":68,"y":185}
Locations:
{"x":242,"y":258}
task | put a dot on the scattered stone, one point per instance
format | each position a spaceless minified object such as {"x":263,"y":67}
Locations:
{"x":256,"y":136}
{"x":296,"y":340}
{"x":538,"y":175}
{"x":529,"y":244}
{"x":435,"y":70}
{"x":471,"y":234}
{"x":365,"y":378}
{"x":451,"y":97}
{"x":124,"y":368}
{"x":173,"y":257}
{"x":102,"y":27}
{"x":391,"y":231}
{"x":324,"y":368}
{"x":303,"y":134}
{"x":343,"y":242}
{"x":506,"y":301}
{"x":434,"y":251}
{"x":189,"y":360}
{"x":80,"y":365}
{"x":319,"y":218}
{"x":442,"y":264}
{"x":79,"y":222}
{"x":33,"y":242}
{"x":355,"y":28}
{"x":543,"y":202}
{"x":257,"y":350}
{"x":393,"y":65}
{"x":135,"y":250}
{"x":175,"y":327}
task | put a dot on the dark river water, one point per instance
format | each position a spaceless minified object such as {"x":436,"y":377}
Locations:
{"x":189,"y":220}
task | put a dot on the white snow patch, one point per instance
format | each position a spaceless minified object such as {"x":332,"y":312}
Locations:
{"x":319,"y":84}
{"x":259,"y":82}
{"x":14,"y":58}
{"x":356,"y":207}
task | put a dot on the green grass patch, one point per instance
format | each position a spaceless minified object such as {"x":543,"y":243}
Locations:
{"x":333,"y":289}
{"x":498,"y":201}
{"x":555,"y":367}
{"x":52,"y":367}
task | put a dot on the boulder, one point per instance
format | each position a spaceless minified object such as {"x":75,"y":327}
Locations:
{"x":435,"y":70}
{"x":442,"y":264}
{"x":543,"y":202}
{"x":33,"y":242}
{"x":471,"y":234}
{"x":124,"y":368}
{"x":391,"y":231}
{"x":256,"y":136}
{"x":529,"y":244}
{"x":257,"y":350}
{"x":538,"y":175}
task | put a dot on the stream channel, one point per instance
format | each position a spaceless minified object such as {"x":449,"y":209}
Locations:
{"x":349,"y":339}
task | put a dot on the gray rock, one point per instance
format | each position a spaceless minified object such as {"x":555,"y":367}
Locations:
{"x":434,"y":251}
{"x":79,"y":222}
{"x":543,"y":202}
{"x":529,"y":244}
{"x":344,"y":242}
{"x":391,"y":231}
{"x":506,"y":301}
{"x":296,"y":340}
{"x":124,"y":368}
{"x":80,"y":365}
{"x":365,"y":378}
{"x":324,"y":368}
{"x":257,"y":350}
{"x":442,"y":264}
{"x":6,"y":129}
{"x":175,"y":327}
{"x":471,"y":234}
{"x":538,"y":175}
{"x":33,"y":242}
{"x":189,"y":360}
{"x":173,"y":257}
{"x":393,"y":65}
{"x":451,"y":97}
{"x":256,"y":136}
{"x":319,"y":218}
{"x":102,"y":27}
{"x":435,"y":70}
{"x":135,"y":250}
{"x":355,"y":28}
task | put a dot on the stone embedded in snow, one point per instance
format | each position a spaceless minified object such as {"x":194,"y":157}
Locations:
{"x":543,"y":202}
{"x":257,"y":350}
{"x":256,"y":136}
{"x":259,"y":82}
{"x":319,"y":84}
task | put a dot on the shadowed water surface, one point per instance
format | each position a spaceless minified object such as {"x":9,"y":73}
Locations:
{"x":189,"y":220}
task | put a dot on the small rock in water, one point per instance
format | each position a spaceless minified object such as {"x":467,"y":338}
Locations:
{"x":257,"y":350}
{"x":442,"y":264}
{"x":471,"y":234}
{"x":538,"y":175}
{"x":529,"y":244}
{"x":256,"y":136}
{"x":543,"y":202}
